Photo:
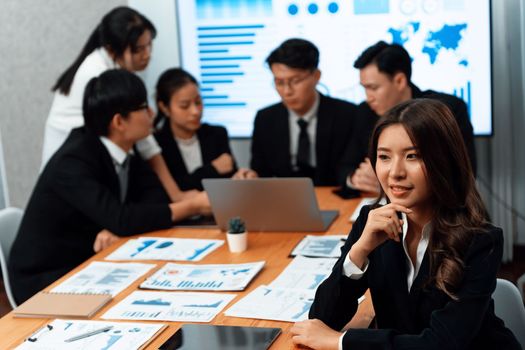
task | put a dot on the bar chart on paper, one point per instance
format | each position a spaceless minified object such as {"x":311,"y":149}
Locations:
{"x":203,"y":277}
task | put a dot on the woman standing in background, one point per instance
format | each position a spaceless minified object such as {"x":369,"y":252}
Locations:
{"x":123,"y":39}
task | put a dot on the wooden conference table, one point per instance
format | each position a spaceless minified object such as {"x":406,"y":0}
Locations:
{"x":272,"y":247}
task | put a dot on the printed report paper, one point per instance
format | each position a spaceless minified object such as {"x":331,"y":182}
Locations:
{"x":169,"y":306}
{"x":272,"y":303}
{"x":122,"y":335}
{"x":320,"y":246}
{"x":159,"y":248}
{"x":304,"y":273}
{"x":203,"y":277}
{"x":101,"y":277}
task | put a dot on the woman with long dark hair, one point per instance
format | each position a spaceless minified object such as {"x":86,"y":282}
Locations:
{"x":429,"y":256}
{"x":193,"y":150}
{"x":123,"y":39}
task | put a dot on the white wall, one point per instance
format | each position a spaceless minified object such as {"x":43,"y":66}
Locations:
{"x":39,"y":40}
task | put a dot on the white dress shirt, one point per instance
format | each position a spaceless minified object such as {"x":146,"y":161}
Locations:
{"x":311,"y":118}
{"x":66,"y":110}
{"x":118,"y":155}
{"x":352,"y":271}
{"x":190,"y":150}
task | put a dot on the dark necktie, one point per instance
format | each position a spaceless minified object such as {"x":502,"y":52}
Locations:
{"x":123,"y":170}
{"x":303,"y":149}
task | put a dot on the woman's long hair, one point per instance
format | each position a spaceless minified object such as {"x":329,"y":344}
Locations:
{"x":119,"y":29}
{"x":459,"y":211}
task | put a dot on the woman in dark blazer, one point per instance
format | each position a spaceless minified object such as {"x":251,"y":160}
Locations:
{"x":193,"y":151}
{"x":429,"y":256}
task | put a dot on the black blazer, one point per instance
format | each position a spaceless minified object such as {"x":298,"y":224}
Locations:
{"x":213,"y":141}
{"x":76,"y":196}
{"x":271,"y":141}
{"x":425,"y":317}
{"x":366,"y":120}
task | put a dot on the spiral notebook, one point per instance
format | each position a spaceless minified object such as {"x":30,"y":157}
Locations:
{"x":54,"y":305}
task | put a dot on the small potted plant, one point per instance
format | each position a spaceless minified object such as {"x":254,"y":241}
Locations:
{"x":237,"y":236}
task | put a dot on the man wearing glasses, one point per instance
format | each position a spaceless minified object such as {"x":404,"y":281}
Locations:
{"x":306,"y":133}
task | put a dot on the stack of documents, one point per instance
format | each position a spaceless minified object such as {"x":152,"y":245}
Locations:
{"x":290,"y":296}
{"x":159,"y":248}
{"x":203,"y":277}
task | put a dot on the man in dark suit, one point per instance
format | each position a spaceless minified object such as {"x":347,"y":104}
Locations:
{"x":385,"y":72}
{"x":93,"y":188}
{"x":306,"y":133}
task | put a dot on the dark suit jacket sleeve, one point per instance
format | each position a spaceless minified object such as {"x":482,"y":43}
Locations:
{"x":258,"y":162}
{"x":335,"y":300}
{"x":76,"y":183}
{"x":455,"y":325}
{"x":221,"y":145}
{"x":357,"y":147}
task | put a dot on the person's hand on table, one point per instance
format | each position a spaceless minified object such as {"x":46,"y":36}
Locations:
{"x":103,"y":240}
{"x":315,"y":334}
{"x":245,"y":173}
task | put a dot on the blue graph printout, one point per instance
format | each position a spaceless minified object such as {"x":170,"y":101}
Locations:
{"x":101,"y":277}
{"x":305,"y":273}
{"x":169,"y":306}
{"x":160,"y":248}
{"x":122,"y":335}
{"x":225,"y":43}
{"x":320,"y":246}
{"x":280,"y":304}
{"x":203,"y":277}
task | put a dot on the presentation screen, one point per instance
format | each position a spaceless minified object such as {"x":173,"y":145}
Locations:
{"x":225,"y":44}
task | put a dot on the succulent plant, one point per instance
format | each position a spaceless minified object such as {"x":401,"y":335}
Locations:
{"x":236,"y":225}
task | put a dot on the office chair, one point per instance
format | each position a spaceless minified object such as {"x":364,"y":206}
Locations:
{"x":508,"y":305}
{"x":9,"y":222}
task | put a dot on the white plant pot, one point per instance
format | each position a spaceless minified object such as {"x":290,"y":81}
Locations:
{"x":237,"y":242}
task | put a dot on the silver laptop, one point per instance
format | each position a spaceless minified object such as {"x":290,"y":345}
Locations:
{"x":269,"y":204}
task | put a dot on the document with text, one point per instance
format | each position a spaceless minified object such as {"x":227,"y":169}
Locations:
{"x":203,"y":277}
{"x":169,"y":306}
{"x":92,"y":335}
{"x":102,"y":277}
{"x":160,"y":248}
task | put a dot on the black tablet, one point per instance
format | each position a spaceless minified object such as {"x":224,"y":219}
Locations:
{"x":211,"y":337}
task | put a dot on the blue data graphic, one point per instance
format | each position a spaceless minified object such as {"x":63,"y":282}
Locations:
{"x":464,"y":93}
{"x":199,"y":285}
{"x":321,"y":247}
{"x":307,"y":304}
{"x":225,"y":44}
{"x":368,"y":7}
{"x":200,"y":251}
{"x":318,"y":278}
{"x":111,"y":341}
{"x":115,"y":277}
{"x":222,"y":53}
{"x":141,"y":314}
{"x":145,"y":244}
{"x":213,"y":9}
{"x":154,"y":302}
{"x":213,"y":306}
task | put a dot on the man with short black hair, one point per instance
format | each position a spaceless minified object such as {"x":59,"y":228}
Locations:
{"x":385,"y":73}
{"x":305,"y":134}
{"x":94,"y":188}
